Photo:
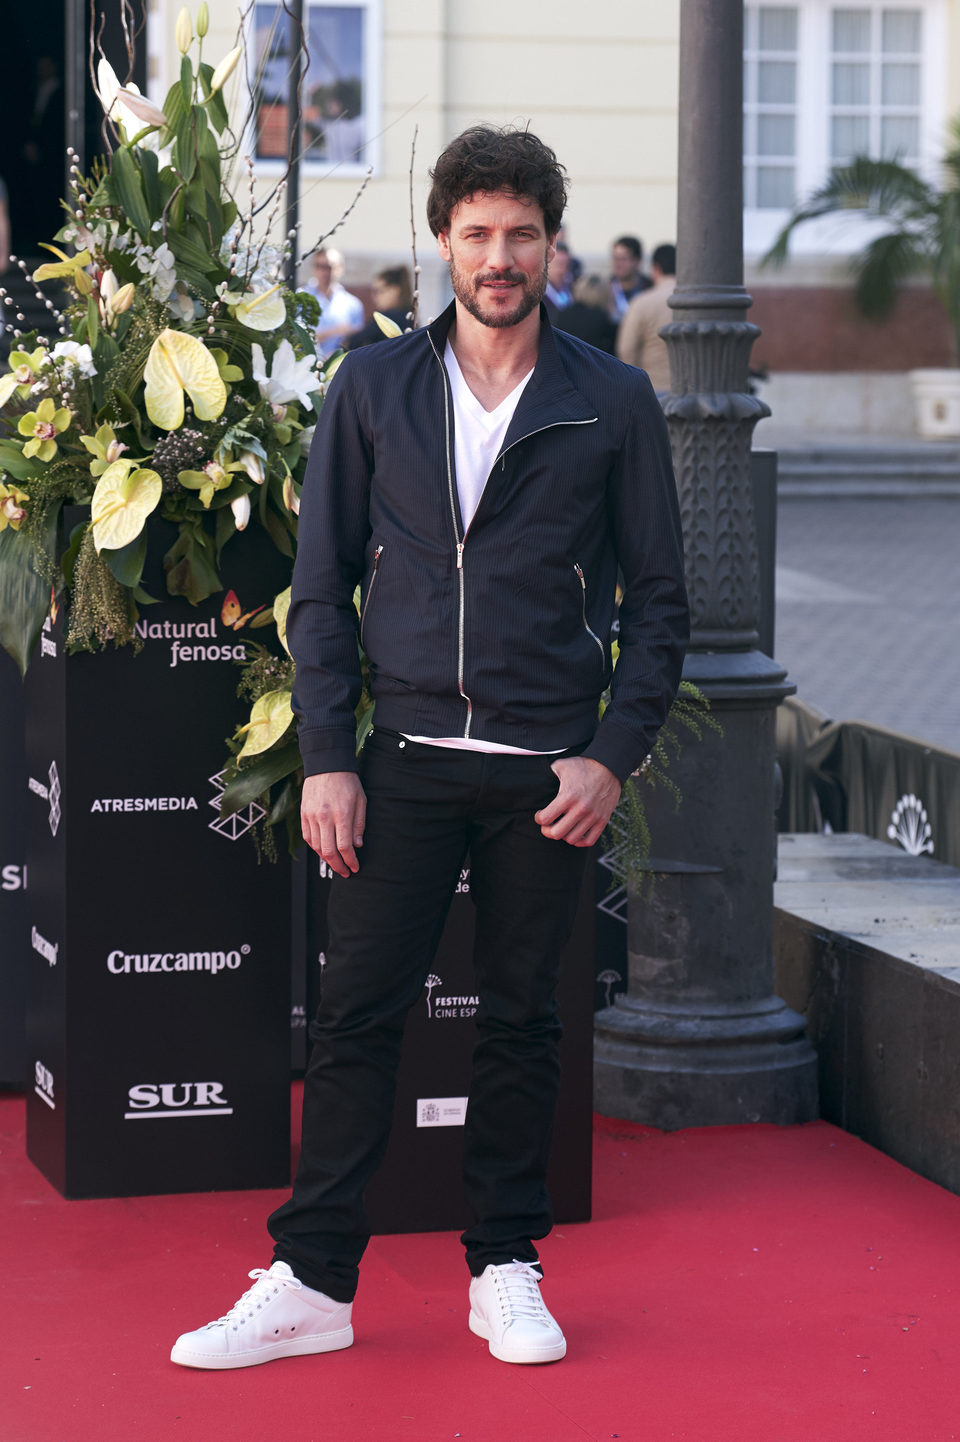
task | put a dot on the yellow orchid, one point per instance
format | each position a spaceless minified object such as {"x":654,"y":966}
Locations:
{"x":269,"y":719}
{"x":280,"y":608}
{"x":24,"y":373}
{"x":179,"y":362}
{"x":122,"y":501}
{"x":262,"y":312}
{"x":67,"y":266}
{"x":104,"y":447}
{"x":12,"y":511}
{"x":43,"y":426}
{"x":216,"y":475}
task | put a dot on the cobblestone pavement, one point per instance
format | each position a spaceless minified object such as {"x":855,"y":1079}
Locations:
{"x":868,"y":610}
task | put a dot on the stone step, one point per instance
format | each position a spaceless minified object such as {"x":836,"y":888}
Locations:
{"x":919,"y":468}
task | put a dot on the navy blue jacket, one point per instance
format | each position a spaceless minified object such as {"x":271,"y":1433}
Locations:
{"x":501,"y":633}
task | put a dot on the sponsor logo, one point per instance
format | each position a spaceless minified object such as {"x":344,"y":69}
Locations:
{"x":144,"y":803}
{"x":47,"y":949}
{"x":298,"y":1018}
{"x":48,"y":647}
{"x":126,"y":963}
{"x":150,"y":1100}
{"x":49,"y":793}
{"x":194,"y":633}
{"x":910,"y":827}
{"x":43,"y":1084}
{"x":13,"y":878}
{"x":235,"y":826}
{"x":441,"y":1111}
{"x":464,"y":883}
{"x":448,"y":1008}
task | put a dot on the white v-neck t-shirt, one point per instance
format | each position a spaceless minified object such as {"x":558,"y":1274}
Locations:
{"x":478,"y":436}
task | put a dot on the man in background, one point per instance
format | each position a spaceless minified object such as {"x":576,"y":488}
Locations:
{"x":639,"y":342}
{"x":340,"y":312}
{"x":628,"y":279}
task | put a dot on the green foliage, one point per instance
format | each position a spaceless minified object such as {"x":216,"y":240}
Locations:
{"x":629,"y":832}
{"x":922,"y":235}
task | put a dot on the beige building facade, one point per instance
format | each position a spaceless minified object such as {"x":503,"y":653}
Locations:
{"x":822,"y":81}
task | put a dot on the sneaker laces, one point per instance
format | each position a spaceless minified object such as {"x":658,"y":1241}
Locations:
{"x":518,"y":1288}
{"x":266,"y":1283}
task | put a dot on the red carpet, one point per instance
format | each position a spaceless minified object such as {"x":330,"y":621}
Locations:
{"x":743,"y":1284}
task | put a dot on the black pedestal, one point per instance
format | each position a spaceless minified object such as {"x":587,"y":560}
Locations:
{"x":13,"y":877}
{"x":418,"y":1188}
{"x":158,"y":977}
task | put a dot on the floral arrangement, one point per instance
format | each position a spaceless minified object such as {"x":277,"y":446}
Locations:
{"x":185,"y":383}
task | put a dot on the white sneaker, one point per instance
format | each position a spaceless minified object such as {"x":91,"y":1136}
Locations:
{"x":506,"y":1309}
{"x":277,"y":1317}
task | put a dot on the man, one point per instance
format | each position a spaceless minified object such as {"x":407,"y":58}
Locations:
{"x":340,"y":312}
{"x":482,"y":479}
{"x":627,"y":280}
{"x":559,"y":292}
{"x":639,"y":342}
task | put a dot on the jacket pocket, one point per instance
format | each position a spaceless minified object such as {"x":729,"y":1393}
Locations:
{"x":586,"y":624}
{"x":370,"y":590}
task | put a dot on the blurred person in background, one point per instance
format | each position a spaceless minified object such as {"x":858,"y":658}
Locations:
{"x":392,"y":295}
{"x":587,"y":316}
{"x":558,"y":294}
{"x":639,"y":342}
{"x":628,"y":279}
{"x":341,"y":314}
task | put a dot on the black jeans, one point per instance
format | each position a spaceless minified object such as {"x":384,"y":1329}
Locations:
{"x":427,"y":806}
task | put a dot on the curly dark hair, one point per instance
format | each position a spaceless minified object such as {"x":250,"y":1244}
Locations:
{"x":485,"y":159}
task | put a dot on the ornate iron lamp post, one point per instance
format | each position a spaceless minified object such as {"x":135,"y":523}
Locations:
{"x":699,"y":1038}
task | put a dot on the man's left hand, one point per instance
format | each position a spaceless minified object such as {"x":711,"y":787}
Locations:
{"x":583,"y":805}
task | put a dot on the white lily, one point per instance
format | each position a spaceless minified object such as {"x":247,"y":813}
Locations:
{"x":290,"y":498}
{"x":241,"y":512}
{"x":225,"y":69}
{"x":253,"y":465}
{"x":126,"y":107}
{"x":289,"y":379}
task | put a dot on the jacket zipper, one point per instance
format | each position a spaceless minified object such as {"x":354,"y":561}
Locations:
{"x":461,"y":540}
{"x":586,"y":624}
{"x":373,"y":581}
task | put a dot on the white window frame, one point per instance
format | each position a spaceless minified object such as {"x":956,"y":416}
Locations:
{"x":318,"y":169}
{"x":844,"y":236}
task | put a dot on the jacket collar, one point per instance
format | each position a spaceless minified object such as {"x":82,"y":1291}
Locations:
{"x":548,"y":399}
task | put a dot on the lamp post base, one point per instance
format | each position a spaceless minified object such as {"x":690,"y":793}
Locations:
{"x":717,"y":1066}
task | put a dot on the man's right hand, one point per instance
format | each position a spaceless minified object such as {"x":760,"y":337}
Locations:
{"x":333,"y":811}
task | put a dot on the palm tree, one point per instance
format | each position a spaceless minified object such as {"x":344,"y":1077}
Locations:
{"x":923,"y":234}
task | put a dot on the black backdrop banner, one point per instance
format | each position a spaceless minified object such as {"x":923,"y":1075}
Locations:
{"x":13,"y":877}
{"x":158,"y":978}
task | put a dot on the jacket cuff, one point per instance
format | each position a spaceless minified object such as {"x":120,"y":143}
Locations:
{"x":618,"y":748}
{"x":328,"y":751}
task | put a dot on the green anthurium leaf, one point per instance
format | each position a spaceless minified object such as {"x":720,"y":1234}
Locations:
{"x":363,"y":727}
{"x":129,"y":190}
{"x":16,"y":464}
{"x":150,"y":176}
{"x":190,"y":568}
{"x":24,"y":594}
{"x":287,"y":804}
{"x":69,"y":557}
{"x":144,"y":598}
{"x":258,"y":776}
{"x":127,"y":563}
